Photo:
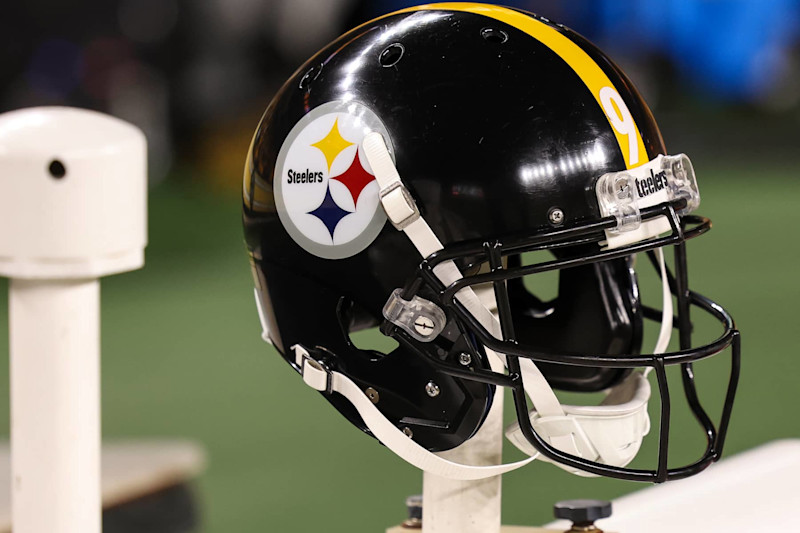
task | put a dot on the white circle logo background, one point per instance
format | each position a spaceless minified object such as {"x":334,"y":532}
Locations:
{"x":330,"y":218}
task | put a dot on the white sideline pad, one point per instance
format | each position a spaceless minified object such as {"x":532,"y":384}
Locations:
{"x":130,"y":470}
{"x":756,"y":490}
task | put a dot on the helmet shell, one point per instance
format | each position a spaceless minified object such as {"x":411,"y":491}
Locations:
{"x":491,"y":130}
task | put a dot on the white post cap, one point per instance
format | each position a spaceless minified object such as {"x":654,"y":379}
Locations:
{"x":73,"y":194}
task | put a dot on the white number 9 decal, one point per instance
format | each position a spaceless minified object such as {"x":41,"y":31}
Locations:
{"x":614,"y":107}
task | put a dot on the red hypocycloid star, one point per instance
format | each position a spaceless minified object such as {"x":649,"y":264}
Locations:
{"x":355,"y":178}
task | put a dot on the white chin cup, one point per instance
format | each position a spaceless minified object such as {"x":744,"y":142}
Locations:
{"x":610,"y":433}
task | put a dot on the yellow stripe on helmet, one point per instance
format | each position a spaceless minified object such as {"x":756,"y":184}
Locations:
{"x":617,"y":113}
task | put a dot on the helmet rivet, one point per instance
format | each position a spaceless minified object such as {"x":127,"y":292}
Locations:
{"x":464,"y":358}
{"x":432,"y":389}
{"x":407,"y":432}
{"x":556,"y":216}
{"x":423,"y":325}
{"x":373,"y":395}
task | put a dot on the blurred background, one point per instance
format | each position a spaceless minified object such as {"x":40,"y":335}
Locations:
{"x":182,"y":355}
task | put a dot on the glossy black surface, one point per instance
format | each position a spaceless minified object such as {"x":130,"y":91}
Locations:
{"x":491,"y":130}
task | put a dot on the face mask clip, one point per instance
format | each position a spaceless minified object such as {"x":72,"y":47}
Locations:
{"x":625,"y":193}
{"x":420,"y":318}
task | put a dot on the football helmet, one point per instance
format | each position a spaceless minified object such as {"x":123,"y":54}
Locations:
{"x":414,"y":176}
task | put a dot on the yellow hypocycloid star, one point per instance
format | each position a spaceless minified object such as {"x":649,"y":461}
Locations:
{"x":332,"y":144}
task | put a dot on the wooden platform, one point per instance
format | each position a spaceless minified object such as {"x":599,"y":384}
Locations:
{"x":130,"y":470}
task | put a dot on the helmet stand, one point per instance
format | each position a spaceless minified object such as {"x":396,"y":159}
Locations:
{"x":468,"y":506}
{"x":72,"y":209}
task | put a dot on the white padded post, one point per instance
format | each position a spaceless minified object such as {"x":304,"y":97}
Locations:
{"x":55,"y":406}
{"x":450,"y":505}
{"x":73,"y":189}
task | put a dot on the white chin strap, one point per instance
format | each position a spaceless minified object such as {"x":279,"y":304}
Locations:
{"x":609,"y":433}
{"x":322,"y":379}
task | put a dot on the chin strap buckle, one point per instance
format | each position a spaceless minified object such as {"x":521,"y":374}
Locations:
{"x":316,"y":374}
{"x":400,"y":207}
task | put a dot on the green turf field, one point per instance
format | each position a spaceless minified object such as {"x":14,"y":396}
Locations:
{"x":182,"y":357}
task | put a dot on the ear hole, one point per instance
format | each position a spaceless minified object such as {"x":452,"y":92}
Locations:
{"x":373,"y":340}
{"x":362,"y":328}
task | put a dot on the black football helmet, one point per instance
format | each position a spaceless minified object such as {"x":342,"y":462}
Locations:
{"x":498,"y":145}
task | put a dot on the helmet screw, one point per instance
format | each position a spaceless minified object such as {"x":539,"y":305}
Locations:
{"x":583,"y":513}
{"x":464,"y":358}
{"x":423,"y":325}
{"x":622,"y":187}
{"x":373,"y":395}
{"x":407,"y":432}
{"x":556,"y":216}
{"x":432,"y":389}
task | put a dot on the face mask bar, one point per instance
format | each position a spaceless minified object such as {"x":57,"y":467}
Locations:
{"x":682,"y":229}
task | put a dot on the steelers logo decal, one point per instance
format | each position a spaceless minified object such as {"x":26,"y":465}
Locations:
{"x":325,"y":191}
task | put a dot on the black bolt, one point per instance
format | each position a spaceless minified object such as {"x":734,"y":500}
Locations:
{"x":414,"y":507}
{"x":582,"y":513}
